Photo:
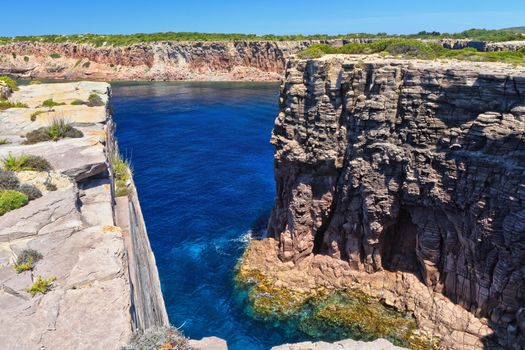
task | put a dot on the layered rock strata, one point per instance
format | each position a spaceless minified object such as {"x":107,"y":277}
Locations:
{"x":221,"y":60}
{"x":97,"y":299}
{"x":404,"y":179}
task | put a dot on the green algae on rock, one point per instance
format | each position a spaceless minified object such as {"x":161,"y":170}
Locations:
{"x":327,"y":314}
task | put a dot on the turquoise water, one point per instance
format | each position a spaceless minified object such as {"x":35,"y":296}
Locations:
{"x":203,"y":167}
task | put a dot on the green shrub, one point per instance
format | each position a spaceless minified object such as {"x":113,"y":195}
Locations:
{"x":30,"y":191}
{"x":8,"y":180}
{"x":122,"y":174}
{"x":14,"y":55}
{"x":58,"y":129}
{"x":36,"y":114}
{"x":4,"y":142}
{"x":54,"y":55}
{"x":27,"y":259}
{"x":11,"y":83}
{"x":40,"y":285}
{"x":86,"y":64}
{"x":50,"y":103}
{"x":26,"y":59}
{"x":35,"y":82}
{"x":25,"y":162}
{"x":95,"y":100}
{"x":11,"y":200}
{"x":78,"y":102}
{"x":410,"y":48}
{"x":8,"y":104}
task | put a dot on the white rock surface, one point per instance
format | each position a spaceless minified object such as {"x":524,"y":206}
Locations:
{"x":89,"y":304}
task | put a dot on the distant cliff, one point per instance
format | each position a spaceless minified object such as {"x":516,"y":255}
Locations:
{"x":177,"y":60}
{"x":390,"y":169}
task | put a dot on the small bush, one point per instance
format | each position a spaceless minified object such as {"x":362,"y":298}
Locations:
{"x":50,"y":186}
{"x":14,"y":55}
{"x":121,"y":174}
{"x":41,"y":285}
{"x":36,"y":114}
{"x":8,"y":104}
{"x":58,"y":129}
{"x":4,"y":142}
{"x":26,"y":59}
{"x":95,"y":100}
{"x":86,"y":64}
{"x":164,"y":338}
{"x":27,"y":259}
{"x":35,"y":82}
{"x":54,"y":55}
{"x":25,"y":162}
{"x":11,"y":200}
{"x":11,"y":83}
{"x":8,"y":180}
{"x":30,"y":191}
{"x":78,"y":102}
{"x":50,"y":103}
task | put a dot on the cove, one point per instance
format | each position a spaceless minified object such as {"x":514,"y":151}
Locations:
{"x":203,"y":166}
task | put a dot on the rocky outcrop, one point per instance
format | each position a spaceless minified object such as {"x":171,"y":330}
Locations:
{"x":409,"y":171}
{"x":347,"y":344}
{"x":97,"y":299}
{"x":219,"y":60}
{"x":485,"y":46}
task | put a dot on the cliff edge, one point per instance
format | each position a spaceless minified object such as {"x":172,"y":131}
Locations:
{"x":71,"y":276}
{"x":404,"y":180}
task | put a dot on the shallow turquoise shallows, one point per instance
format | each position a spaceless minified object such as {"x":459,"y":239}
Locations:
{"x":203,"y":166}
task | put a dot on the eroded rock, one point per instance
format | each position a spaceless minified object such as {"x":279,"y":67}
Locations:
{"x":407,"y":168}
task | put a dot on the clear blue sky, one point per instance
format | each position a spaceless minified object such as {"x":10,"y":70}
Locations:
{"x":31,"y":17}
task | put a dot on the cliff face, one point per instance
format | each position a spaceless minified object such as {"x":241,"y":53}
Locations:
{"x":221,"y":60}
{"x":408,"y":166}
{"x":241,"y":60}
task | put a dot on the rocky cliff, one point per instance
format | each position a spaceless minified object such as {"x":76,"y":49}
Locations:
{"x":91,"y":245}
{"x":221,"y":60}
{"x":405,"y":179}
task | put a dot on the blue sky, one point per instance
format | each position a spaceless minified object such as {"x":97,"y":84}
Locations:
{"x":31,"y":17}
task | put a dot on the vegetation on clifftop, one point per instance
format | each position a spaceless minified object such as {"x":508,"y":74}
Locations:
{"x":121,"y":40}
{"x":40,"y":285}
{"x":25,"y":162}
{"x":11,"y":83}
{"x":411,"y":48}
{"x":122,"y":175}
{"x":58,"y":129}
{"x":11,"y":200}
{"x":27,"y":259}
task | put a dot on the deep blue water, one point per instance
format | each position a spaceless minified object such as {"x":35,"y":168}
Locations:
{"x":203,"y":167}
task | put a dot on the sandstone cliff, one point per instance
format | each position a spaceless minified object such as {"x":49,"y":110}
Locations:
{"x":221,"y":60}
{"x":106,"y":284}
{"x":390,"y":169}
